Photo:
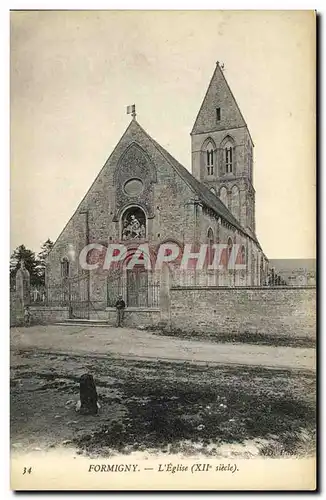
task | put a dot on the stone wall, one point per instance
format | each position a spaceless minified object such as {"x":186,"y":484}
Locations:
{"x":272,"y":311}
{"x":133,"y":317}
{"x":42,"y":315}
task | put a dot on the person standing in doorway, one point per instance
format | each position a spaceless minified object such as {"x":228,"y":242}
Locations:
{"x":120,"y":307}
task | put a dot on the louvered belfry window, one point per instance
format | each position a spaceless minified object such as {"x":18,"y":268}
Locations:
{"x":228,"y":160}
{"x":210,"y":162}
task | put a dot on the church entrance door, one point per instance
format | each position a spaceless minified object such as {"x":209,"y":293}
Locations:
{"x":137,"y":287}
{"x":79,"y":300}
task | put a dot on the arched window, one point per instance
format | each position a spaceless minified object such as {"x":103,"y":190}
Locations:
{"x":262,"y":273}
{"x":253,"y":268}
{"x":65,"y":268}
{"x":210,"y":235}
{"x":133,"y":224}
{"x":208,"y":150}
{"x":228,"y":157}
{"x":243,"y":254}
{"x":224,"y":195}
{"x":230,"y":246}
{"x":210,"y":243}
{"x":210,"y":161}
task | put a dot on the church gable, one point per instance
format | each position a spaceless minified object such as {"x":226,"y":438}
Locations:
{"x":133,"y":179}
{"x":137,"y":175}
{"x":219,"y":110}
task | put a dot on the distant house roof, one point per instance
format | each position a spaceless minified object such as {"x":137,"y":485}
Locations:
{"x":293,"y":265}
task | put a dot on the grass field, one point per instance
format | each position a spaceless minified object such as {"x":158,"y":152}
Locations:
{"x":161,"y":406}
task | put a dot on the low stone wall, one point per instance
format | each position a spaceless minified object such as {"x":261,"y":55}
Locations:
{"x":214,"y":310}
{"x":271,"y":311}
{"x":134,"y":317}
{"x":47,"y":315}
{"x":42,"y":315}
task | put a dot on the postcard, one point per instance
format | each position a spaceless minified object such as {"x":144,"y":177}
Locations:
{"x":162,"y":270}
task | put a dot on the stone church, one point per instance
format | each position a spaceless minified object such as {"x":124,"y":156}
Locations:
{"x":144,"y":195}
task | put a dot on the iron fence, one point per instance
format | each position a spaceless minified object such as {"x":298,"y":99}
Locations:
{"x":75,"y":294}
{"x":147,"y":296}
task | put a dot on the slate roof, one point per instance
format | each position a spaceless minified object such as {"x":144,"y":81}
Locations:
{"x":290,"y":265}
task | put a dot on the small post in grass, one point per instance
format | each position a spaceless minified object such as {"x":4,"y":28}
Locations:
{"x":88,"y":395}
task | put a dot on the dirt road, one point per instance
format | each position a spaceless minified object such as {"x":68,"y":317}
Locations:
{"x":159,"y":395}
{"x":138,"y":344}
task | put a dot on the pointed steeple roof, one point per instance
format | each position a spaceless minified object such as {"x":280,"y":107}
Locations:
{"x":218,"y":95}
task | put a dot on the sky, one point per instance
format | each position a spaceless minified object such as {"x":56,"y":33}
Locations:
{"x":72,"y":74}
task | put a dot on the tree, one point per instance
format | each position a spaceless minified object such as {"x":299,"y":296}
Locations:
{"x":274,"y":279}
{"x":41,"y":259}
{"x":34,"y":264}
{"x":28,"y":256}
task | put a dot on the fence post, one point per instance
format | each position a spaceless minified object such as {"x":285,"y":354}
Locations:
{"x":164,"y":295}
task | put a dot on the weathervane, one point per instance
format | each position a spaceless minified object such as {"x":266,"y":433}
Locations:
{"x":131,"y":110}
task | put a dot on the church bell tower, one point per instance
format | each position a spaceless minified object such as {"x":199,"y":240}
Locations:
{"x":222,"y":150}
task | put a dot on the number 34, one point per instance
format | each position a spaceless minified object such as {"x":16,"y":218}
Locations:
{"x":27,"y":470}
